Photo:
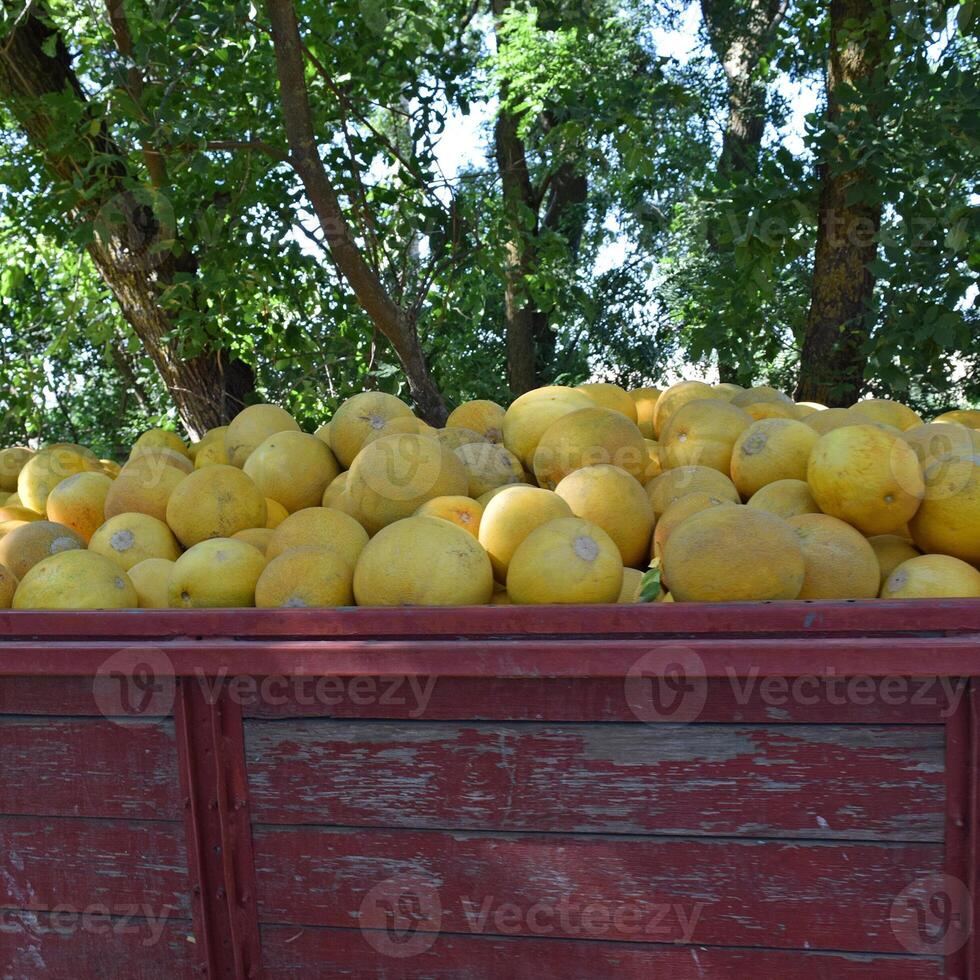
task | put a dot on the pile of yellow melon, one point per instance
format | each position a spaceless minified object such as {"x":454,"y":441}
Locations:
{"x":699,"y":493}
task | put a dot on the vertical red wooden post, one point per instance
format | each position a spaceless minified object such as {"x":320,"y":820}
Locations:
{"x":211,"y":750}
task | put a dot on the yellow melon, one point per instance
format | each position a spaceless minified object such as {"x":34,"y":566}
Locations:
{"x":213,"y":453}
{"x":867,"y":477}
{"x":489,"y":466}
{"x":79,"y":502}
{"x":785,"y":498}
{"x":217,"y":434}
{"x":835,"y":418}
{"x":14,"y":512}
{"x":567,"y":560}
{"x":677,"y":512}
{"x":8,"y":586}
{"x":306,"y":577}
{"x":840,"y":563}
{"x":172,"y":458}
{"x":806,"y":409}
{"x":43,"y":472}
{"x":672,"y":484}
{"x":615,"y":501}
{"x":323,"y":527}
{"x":12,"y":461}
{"x":629,"y":592}
{"x":770,"y":410}
{"x":730,"y":554}
{"x":75,"y":580}
{"x":160,"y":439}
{"x":645,"y":400}
{"x":365,"y":414}
{"x":932,"y":577}
{"x":144,"y":486}
{"x":462,"y":511}
{"x":257,"y":537}
{"x":323,"y":434}
{"x":728,"y":388}
{"x":275,"y":513}
{"x":948,"y":521}
{"x":970,"y":417}
{"x":457,"y":437}
{"x":251,"y":427}
{"x":891,"y":550}
{"x":586,"y":438}
{"x":532,"y":413}
{"x":653,"y":462}
{"x":888,"y":412}
{"x":335,"y":488}
{"x":423,"y":561}
{"x":393,"y":476}
{"x":759,"y":394}
{"x":293,"y":468}
{"x":770,"y":450}
{"x":610,"y":396}
{"x":215,"y":573}
{"x":482,"y":416}
{"x":702,"y":433}
{"x":214,"y":502}
{"x":937,"y":440}
{"x":676,"y":396}
{"x":23,"y":547}
{"x":128,"y":539}
{"x":510,"y":516}
{"x":151,"y":579}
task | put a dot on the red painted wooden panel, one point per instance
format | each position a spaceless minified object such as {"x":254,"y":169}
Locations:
{"x":73,"y":945}
{"x":769,"y":700}
{"x":596,"y":656}
{"x":32,"y":695}
{"x":78,"y":863}
{"x":750,"y":619}
{"x":296,"y":953}
{"x":89,"y":767}
{"x":858,"y":782}
{"x":712,"y":892}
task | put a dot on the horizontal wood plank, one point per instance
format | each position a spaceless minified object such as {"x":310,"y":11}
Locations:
{"x":89,"y":767}
{"x":681,"y":619}
{"x":713,"y":892}
{"x":911,"y":655}
{"x":70,"y":945}
{"x":769,"y":699}
{"x":116,"y":865}
{"x":859,"y":782}
{"x":296,"y":953}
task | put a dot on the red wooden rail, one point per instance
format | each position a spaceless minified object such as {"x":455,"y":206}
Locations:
{"x":191,"y":762}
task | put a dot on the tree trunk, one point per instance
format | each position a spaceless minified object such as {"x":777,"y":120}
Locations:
{"x":838,"y":322}
{"x":206,"y":389}
{"x":397,"y":324}
{"x":530,"y":339}
{"x":739,"y":37}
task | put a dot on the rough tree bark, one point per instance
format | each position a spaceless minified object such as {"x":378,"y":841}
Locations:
{"x":397,"y":323}
{"x":530,"y":339}
{"x":832,"y":365}
{"x":208,"y":388}
{"x":739,"y":35}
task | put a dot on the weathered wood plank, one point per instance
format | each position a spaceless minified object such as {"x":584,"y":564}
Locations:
{"x":69,"y":945}
{"x":296,"y":953}
{"x":89,"y":767}
{"x":660,"y":619}
{"x":713,"y":892}
{"x":117,"y":865}
{"x":859,"y":782}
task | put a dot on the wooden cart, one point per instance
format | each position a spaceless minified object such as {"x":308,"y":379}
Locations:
{"x":785,"y":790}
